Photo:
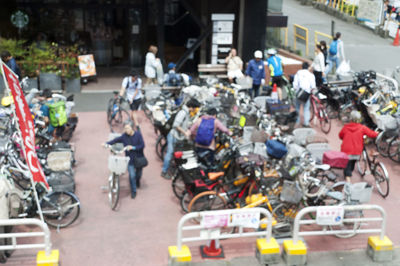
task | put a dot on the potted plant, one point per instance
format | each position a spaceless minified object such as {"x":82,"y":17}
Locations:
{"x":50,"y":74}
{"x":71,"y":72}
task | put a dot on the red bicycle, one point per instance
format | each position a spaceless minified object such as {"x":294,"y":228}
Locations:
{"x":318,"y":110}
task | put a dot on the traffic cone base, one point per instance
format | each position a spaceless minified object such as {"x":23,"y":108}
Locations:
{"x":211,"y":252}
{"x":396,"y":41}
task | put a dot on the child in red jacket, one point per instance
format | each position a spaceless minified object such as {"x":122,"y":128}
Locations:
{"x":352,"y":135}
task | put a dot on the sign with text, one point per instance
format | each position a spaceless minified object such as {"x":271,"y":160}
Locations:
{"x":86,"y":65}
{"x":215,"y":220}
{"x":26,"y":125}
{"x":249,"y":219}
{"x":330,"y":215}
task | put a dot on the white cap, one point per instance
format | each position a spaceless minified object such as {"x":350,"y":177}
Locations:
{"x":258,"y":54}
{"x":271,"y":51}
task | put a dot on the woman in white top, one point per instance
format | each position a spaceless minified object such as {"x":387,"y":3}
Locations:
{"x":152,"y":63}
{"x":318,"y":65}
{"x":234,"y":65}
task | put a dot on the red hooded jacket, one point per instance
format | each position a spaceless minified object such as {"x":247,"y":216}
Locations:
{"x":352,"y":135}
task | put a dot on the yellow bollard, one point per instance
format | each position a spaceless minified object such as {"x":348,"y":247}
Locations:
{"x":52,"y":260}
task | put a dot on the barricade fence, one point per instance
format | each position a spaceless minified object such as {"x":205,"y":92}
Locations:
{"x":344,"y":6}
{"x":300,"y":35}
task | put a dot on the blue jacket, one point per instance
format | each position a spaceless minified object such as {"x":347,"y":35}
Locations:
{"x":256,"y":71}
{"x":14,"y":67}
{"x":275,"y":66}
{"x":136,"y":141}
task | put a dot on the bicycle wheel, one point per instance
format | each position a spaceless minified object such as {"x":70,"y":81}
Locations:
{"x":381,"y":179}
{"x":382,"y":143}
{"x":113,"y":190}
{"x":284,"y":214}
{"x":312,"y":104}
{"x":185,"y":200}
{"x":352,"y":227}
{"x":332,"y":112}
{"x":161,"y":145}
{"x":60,"y":208}
{"x":324,"y":120}
{"x":178,"y":186}
{"x":362,"y":164}
{"x":207,"y":201}
{"x":117,"y":121}
{"x":394,"y":150}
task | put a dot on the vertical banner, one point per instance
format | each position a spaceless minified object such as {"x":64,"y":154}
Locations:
{"x":26,"y":125}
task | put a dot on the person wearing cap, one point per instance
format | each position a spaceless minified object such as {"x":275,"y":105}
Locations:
{"x":210,"y":114}
{"x":132,"y":86}
{"x":172,"y":79}
{"x":234,"y":66}
{"x":275,"y":70}
{"x":178,"y":132}
{"x":133,"y":140}
{"x":255,"y":69}
{"x":352,"y":136}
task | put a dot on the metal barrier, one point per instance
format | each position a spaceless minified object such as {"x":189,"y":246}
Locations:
{"x":342,"y":5}
{"x":212,"y":221}
{"x":298,"y":221}
{"x":29,"y":221}
{"x":301,"y":35}
{"x":285,"y":30}
{"x":327,"y":37}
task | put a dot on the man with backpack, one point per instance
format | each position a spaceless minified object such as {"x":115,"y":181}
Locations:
{"x":335,"y":53}
{"x":204,"y":130}
{"x":179,"y":131}
{"x":172,"y":79}
{"x":132,"y":85}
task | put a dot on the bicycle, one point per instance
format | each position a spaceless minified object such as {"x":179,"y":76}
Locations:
{"x":377,"y":169}
{"x":116,"y":113}
{"x":318,"y":110}
{"x":117,"y":166}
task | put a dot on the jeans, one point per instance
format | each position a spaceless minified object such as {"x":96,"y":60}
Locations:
{"x":210,"y":156}
{"x":306,"y":111}
{"x":135,"y":174}
{"x":170,"y":151}
{"x":332,"y":59}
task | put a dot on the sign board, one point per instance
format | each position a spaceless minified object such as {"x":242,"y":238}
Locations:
{"x":370,"y":11}
{"x":211,"y":220}
{"x":330,"y":215}
{"x":223,"y":26}
{"x":392,"y":27}
{"x":249,"y":218}
{"x":222,"y":38}
{"x":86,"y":65}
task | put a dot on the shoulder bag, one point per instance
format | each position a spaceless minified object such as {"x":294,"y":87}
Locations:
{"x":140,"y":161}
{"x":302,"y":95}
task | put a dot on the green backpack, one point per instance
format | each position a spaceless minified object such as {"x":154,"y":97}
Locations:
{"x":57,"y":114}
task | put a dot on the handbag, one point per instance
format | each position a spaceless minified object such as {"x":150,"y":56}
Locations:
{"x":140,"y":162}
{"x":302,"y":95}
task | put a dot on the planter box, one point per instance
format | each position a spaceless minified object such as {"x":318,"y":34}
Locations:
{"x":51,"y":81}
{"x":31,"y":83}
{"x":73,"y":85}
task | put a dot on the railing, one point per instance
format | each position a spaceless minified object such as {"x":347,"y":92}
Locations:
{"x":215,"y":220}
{"x":342,"y":5}
{"x":381,"y":230}
{"x":46,"y":245}
{"x":301,"y":35}
{"x":318,"y":34}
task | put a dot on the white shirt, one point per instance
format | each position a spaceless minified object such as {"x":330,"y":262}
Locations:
{"x":305,"y":80}
{"x":319,"y":62}
{"x":131,"y":88}
{"x":150,"y":65}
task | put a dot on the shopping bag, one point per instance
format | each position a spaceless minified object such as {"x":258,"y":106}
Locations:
{"x":344,"y":68}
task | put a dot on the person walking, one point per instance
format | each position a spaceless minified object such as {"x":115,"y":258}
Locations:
{"x":255,"y":69}
{"x":203,"y":131}
{"x":172,"y":79}
{"x":234,"y":66}
{"x":133,"y":141}
{"x":318,"y":66}
{"x":275,"y":70}
{"x":151,"y":65}
{"x":178,"y":132}
{"x":352,"y":136}
{"x":132,"y":86}
{"x":11,"y":63}
{"x":303,"y":83}
{"x":335,"y":53}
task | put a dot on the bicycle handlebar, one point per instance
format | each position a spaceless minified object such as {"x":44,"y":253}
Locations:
{"x":113,"y":150}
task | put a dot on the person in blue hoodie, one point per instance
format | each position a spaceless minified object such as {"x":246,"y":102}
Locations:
{"x":255,"y":69}
{"x":133,"y":140}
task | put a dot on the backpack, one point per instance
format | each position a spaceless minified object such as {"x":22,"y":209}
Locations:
{"x":57,"y":114}
{"x":205,"y":132}
{"x":173,"y":79}
{"x":333,"y":48}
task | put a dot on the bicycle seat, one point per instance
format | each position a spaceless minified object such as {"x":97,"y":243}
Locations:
{"x":323,"y":167}
{"x":215,"y":175}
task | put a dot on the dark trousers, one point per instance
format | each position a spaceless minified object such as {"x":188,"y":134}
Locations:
{"x":255,"y":90}
{"x":349,"y":167}
{"x":210,"y":155}
{"x":318,"y":78}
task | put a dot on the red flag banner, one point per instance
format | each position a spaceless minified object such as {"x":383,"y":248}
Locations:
{"x":26,"y":125}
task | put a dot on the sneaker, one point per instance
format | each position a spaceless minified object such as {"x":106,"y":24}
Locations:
{"x":165,"y":175}
{"x":133,"y":195}
{"x":138,"y":184}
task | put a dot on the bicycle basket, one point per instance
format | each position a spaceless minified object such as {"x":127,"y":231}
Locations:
{"x":118,"y":164}
{"x":59,"y":160}
{"x":360,"y":192}
{"x":291,"y":193}
{"x":245,"y":149}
